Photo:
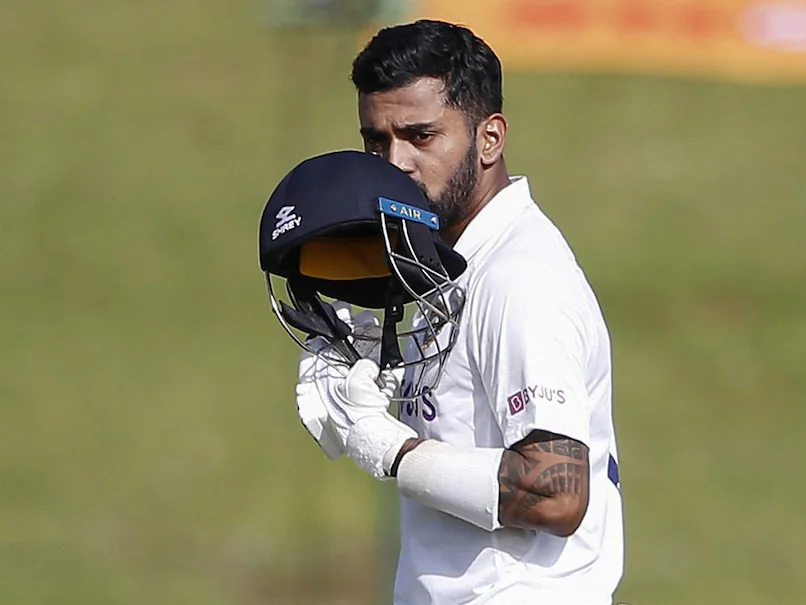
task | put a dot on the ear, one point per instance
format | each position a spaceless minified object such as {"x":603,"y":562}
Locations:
{"x":492,"y":133}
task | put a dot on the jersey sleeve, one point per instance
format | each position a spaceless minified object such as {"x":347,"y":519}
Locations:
{"x":531,"y":353}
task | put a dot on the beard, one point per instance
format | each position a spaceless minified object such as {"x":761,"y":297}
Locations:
{"x":455,"y":201}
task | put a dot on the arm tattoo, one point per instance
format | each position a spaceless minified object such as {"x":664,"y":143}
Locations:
{"x":564,"y":447}
{"x":539,"y":478}
{"x":561,"y":479}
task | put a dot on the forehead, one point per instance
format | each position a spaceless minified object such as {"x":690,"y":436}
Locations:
{"x":421,"y":101}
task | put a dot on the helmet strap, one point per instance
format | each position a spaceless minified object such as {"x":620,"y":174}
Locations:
{"x":393,"y":314}
{"x":315,"y":317}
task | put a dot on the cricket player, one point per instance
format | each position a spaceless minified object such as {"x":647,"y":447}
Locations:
{"x":508,"y":467}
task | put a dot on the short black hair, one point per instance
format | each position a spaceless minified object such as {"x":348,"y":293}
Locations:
{"x":467,"y":66}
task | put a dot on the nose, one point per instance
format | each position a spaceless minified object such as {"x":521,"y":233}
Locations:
{"x":400,"y":155}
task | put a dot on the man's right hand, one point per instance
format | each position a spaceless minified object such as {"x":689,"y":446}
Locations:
{"x":316,"y":376}
{"x":359,"y":410}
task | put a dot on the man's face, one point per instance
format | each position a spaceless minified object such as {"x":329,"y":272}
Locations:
{"x":414,"y":129}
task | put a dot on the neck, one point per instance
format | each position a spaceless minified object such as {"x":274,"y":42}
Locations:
{"x":488,"y":189}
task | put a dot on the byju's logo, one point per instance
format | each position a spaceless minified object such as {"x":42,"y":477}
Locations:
{"x":517,"y":402}
{"x":286,"y":221}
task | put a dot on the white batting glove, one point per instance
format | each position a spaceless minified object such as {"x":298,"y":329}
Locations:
{"x":311,"y":388}
{"x":315,"y":376}
{"x":358,"y":410}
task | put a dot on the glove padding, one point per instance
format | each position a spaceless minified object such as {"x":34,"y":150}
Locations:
{"x":316,"y":376}
{"x":313,"y":374}
{"x":358,"y":409}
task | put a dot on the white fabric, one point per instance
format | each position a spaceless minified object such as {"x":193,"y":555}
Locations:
{"x":462,"y":482}
{"x":533,"y":352}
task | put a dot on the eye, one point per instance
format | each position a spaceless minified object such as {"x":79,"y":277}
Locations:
{"x":373,"y":143}
{"x":422,"y":138}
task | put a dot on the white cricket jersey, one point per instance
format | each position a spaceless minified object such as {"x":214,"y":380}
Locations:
{"x":533,"y":352}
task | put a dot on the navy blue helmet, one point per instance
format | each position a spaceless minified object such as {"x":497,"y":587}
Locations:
{"x":352,"y":227}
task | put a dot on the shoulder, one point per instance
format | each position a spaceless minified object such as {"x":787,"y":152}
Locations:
{"x":531,"y":263}
{"x":527,"y":290}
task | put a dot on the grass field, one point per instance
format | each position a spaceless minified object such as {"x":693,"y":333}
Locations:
{"x":149,"y":448}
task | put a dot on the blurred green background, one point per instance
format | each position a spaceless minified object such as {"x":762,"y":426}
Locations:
{"x":149,"y":445}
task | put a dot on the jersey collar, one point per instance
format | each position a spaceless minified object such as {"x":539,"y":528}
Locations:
{"x":499,"y":212}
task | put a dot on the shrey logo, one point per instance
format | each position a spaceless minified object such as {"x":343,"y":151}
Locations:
{"x":286,"y":221}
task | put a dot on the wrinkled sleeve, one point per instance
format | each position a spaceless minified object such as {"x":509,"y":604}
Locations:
{"x":531,"y":355}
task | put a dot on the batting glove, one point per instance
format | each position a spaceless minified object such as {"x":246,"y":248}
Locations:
{"x":358,"y":409}
{"x":311,"y":389}
{"x":324,"y":367}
